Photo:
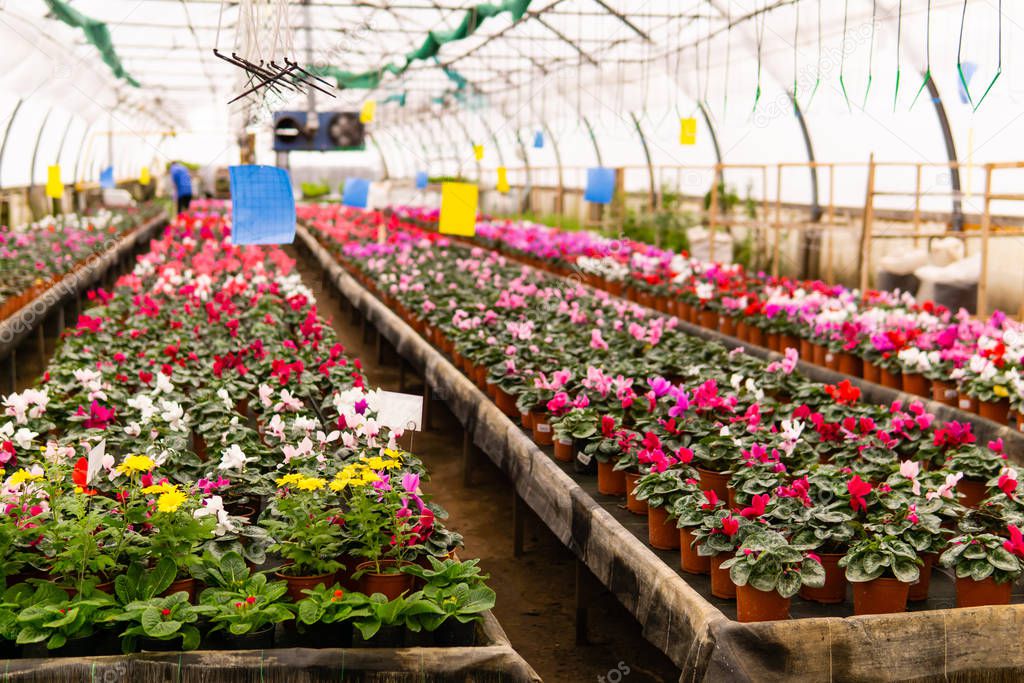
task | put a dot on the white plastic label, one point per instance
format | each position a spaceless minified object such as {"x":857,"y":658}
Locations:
{"x":543,"y":427}
{"x":584,"y":458}
{"x":400,"y":411}
{"x":965,"y":404}
{"x":565,"y":442}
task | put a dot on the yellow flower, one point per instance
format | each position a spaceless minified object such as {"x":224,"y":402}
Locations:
{"x":165,"y":487}
{"x":338,"y":485}
{"x":376,"y":462}
{"x":311,"y":483}
{"x":21,"y":476}
{"x":134,"y":464}
{"x":170,"y":501}
{"x":293,"y":478}
{"x":1000,"y":391}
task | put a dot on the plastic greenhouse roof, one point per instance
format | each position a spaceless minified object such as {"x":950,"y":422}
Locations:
{"x":561,"y":61}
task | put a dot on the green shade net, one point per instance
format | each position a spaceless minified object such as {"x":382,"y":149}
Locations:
{"x":96,"y":32}
{"x":471,"y":21}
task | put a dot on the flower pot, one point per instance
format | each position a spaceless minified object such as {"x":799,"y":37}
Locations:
{"x":890,"y":379}
{"x":187,"y":585}
{"x":661,"y":533}
{"x":773,"y":341}
{"x":971,"y":593}
{"x":709,"y":319}
{"x":387,"y":637}
{"x":850,"y":364}
{"x":390,"y":586}
{"x":1019,"y":421}
{"x":564,"y":450}
{"x":806,"y":350}
{"x":997,"y":411}
{"x":715,"y":481}
{"x":453,"y":633}
{"x":731,"y":500}
{"x":831,"y":360}
{"x":726,"y":325}
{"x":755,"y":335}
{"x":757,"y":605}
{"x":742,"y":331}
{"x":199,"y":446}
{"x":944,"y":393}
{"x":77,"y":647}
{"x":880,"y":596}
{"x":690,"y":561}
{"x":872,"y":373}
{"x":338,"y":634}
{"x":637,"y":507}
{"x":972,"y":491}
{"x":917,"y":384}
{"x":344,"y":575}
{"x":721,"y":583}
{"x":967,"y":403}
{"x":491,"y":390}
{"x":506,"y":402}
{"x":788,"y":341}
{"x":683,"y":310}
{"x":610,"y":482}
{"x":262,"y":639}
{"x":818,"y":355}
{"x":526,"y":418}
{"x":297,"y":584}
{"x":614,"y":287}
{"x":481,"y":377}
{"x":834,"y":590}
{"x":919,"y":590}
{"x":542,"y":434}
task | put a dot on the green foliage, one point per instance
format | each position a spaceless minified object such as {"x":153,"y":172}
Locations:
{"x":768,"y":562}
{"x":979,"y":556}
{"x":49,"y":615}
{"x":162,"y":618}
{"x":880,"y":555}
{"x":315,"y":190}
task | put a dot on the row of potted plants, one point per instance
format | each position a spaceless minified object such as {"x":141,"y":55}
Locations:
{"x":745,"y":466}
{"x":203,"y":412}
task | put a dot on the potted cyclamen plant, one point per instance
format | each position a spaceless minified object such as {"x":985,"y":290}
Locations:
{"x":607,"y":451}
{"x":660,"y":488}
{"x":768,"y":572}
{"x":576,"y":425}
{"x":881,"y":569}
{"x":714,"y":457}
{"x":977,"y":467}
{"x":986,"y":566}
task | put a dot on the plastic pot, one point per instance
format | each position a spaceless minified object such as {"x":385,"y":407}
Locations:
{"x":709,"y":319}
{"x":742,"y":331}
{"x":526,"y":419}
{"x":188,"y":585}
{"x":338,"y":634}
{"x":880,"y":596}
{"x":715,"y":481}
{"x":972,"y":491}
{"x":971,"y":593}
{"x":390,"y":586}
{"x":726,"y":325}
{"x":818,"y":355}
{"x":255,"y":640}
{"x":755,"y":335}
{"x":564,"y":450}
{"x":721,"y":583}
{"x":872,"y":373}
{"x":453,"y":633}
{"x":806,"y":350}
{"x":997,"y":411}
{"x":386,"y":637}
{"x":690,"y":561}
{"x":757,"y":605}
{"x":944,"y":393}
{"x":297,"y":584}
{"x":917,"y":384}
{"x":919,"y":590}
{"x":610,"y":482}
{"x":661,"y":533}
{"x":831,"y":360}
{"x":850,"y":364}
{"x":834,"y":590}
{"x":967,"y":403}
{"x":890,"y":379}
{"x":637,"y":507}
{"x":542,"y":434}
{"x":506,"y":402}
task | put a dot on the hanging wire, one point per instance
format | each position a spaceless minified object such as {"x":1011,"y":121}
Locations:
{"x":728,"y":54}
{"x":796,"y":52}
{"x":817,"y":79}
{"x":707,"y":63}
{"x":842,"y":58}
{"x":871,"y":52}
{"x":927,"y":55}
{"x":899,"y":39}
{"x":999,"y":63}
{"x":763,"y":18}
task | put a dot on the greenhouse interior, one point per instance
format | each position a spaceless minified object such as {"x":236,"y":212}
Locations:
{"x":513,"y":341}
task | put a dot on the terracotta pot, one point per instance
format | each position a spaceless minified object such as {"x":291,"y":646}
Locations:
{"x":564,"y":450}
{"x":715,"y":481}
{"x":690,"y":561}
{"x":731,"y":500}
{"x":637,"y":507}
{"x":917,"y":384}
{"x":1019,"y":421}
{"x":872,"y":373}
{"x":610,"y":482}
{"x":850,"y":364}
{"x":831,"y":360}
{"x":890,"y":379}
{"x":614,"y":287}
{"x":971,"y":593}
{"x":880,"y":596}
{"x":773,"y":342}
{"x":389,"y":585}
{"x":526,"y":419}
{"x":788,"y":341}
{"x":188,"y":585}
{"x":919,"y":590}
{"x":972,"y":491}
{"x":997,"y":411}
{"x":756,"y":605}
{"x":506,"y":402}
{"x":709,"y":319}
{"x":944,"y":393}
{"x":491,"y":390}
{"x":755,"y":335}
{"x":967,"y":403}
{"x":481,"y":377}
{"x":721,"y":583}
{"x":296,"y":584}
{"x":742,"y":331}
{"x":542,"y":434}
{"x":683,"y":310}
{"x":661,"y":533}
{"x":806,"y":350}
{"x":834,"y":590}
{"x":818,"y":355}
{"x":199,"y":446}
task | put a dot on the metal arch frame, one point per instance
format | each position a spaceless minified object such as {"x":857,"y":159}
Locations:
{"x":653,"y":197}
{"x":380,"y":153}
{"x":35,"y":150}
{"x":816,"y":211}
{"x":954,"y":164}
{"x":593,"y":140}
{"x":7,"y":133}
{"x":560,"y":205}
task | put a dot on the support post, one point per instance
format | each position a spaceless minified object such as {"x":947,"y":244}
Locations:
{"x":917,"y":206}
{"x":830,"y":270}
{"x":777,"y":226}
{"x":713,"y":211}
{"x":986,"y":229}
{"x":869,"y":222}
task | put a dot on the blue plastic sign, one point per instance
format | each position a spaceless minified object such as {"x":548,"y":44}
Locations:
{"x":107,"y":178}
{"x":969,"y":69}
{"x":262,"y":205}
{"x":421,"y":179}
{"x":538,"y":140}
{"x":357,"y":193}
{"x":600,"y":185}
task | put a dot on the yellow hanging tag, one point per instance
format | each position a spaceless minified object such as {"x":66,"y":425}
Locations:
{"x":368,"y":112}
{"x":54,"y":186}
{"x":503,"y":186}
{"x":144,"y":176}
{"x":458,"y":209}
{"x":478,"y":152}
{"x":688,"y":131}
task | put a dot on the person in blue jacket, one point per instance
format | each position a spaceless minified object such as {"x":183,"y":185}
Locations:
{"x":182,"y":185}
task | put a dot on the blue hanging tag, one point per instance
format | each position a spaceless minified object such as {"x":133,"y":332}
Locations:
{"x":968,"y":68}
{"x":107,"y":178}
{"x":421,"y":180}
{"x":357,"y":192}
{"x":262,"y":205}
{"x":600,"y":185}
{"x":538,"y":140}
